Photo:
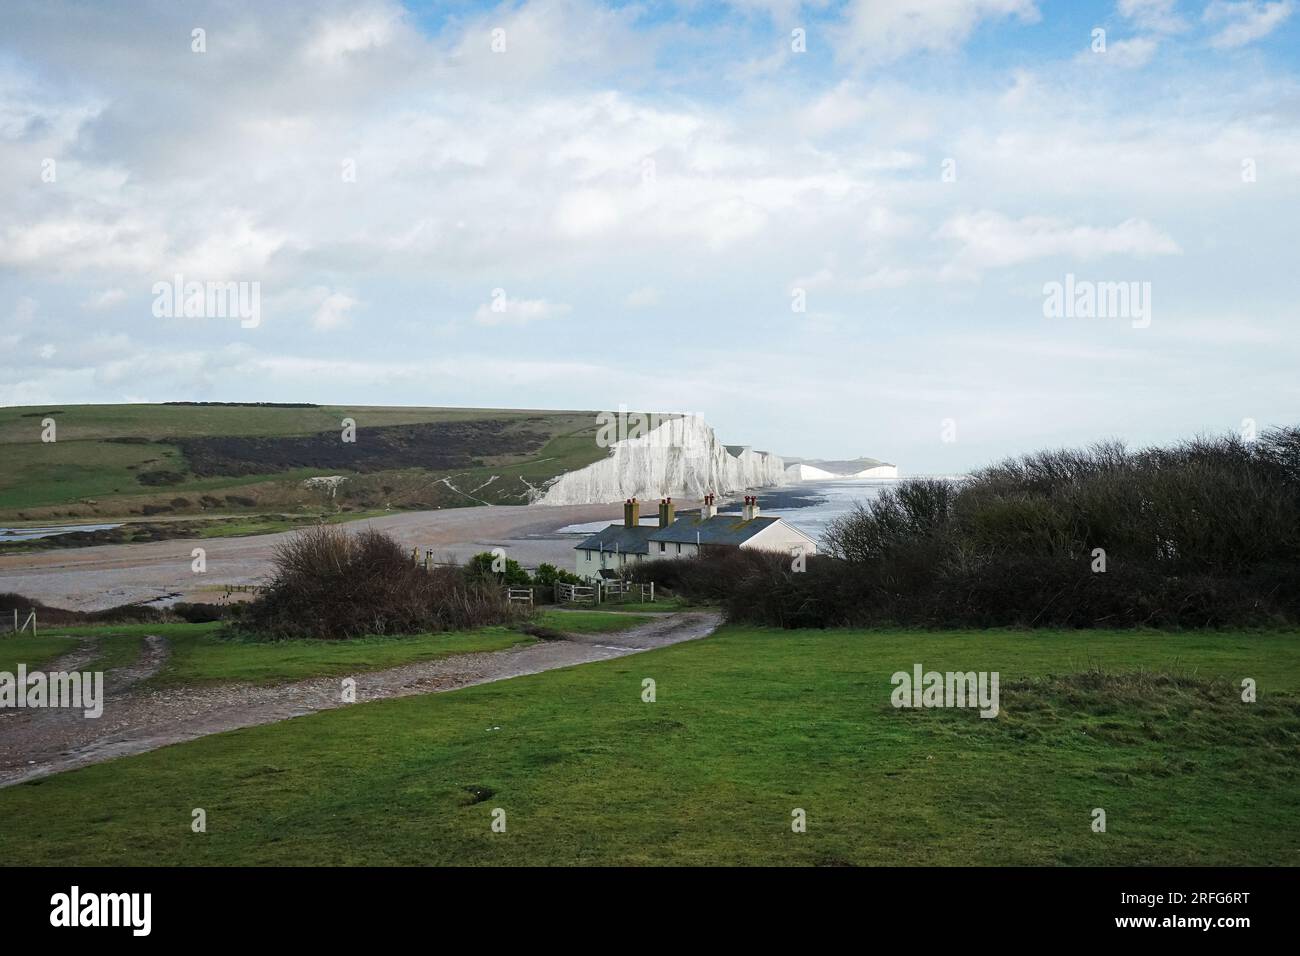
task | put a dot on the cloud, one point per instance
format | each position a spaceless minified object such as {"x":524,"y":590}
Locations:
{"x":332,"y":313}
{"x":503,"y":310}
{"x":1158,"y":16}
{"x":991,"y":240}
{"x":105,"y":299}
{"x":357,"y":31}
{"x":881,"y":31}
{"x":642,"y":298}
{"x":1245,"y":21}
{"x":1123,"y":54}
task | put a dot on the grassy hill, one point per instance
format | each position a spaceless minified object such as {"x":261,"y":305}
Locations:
{"x":112,"y":461}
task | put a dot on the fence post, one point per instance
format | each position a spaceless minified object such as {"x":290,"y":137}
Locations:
{"x":652,"y":592}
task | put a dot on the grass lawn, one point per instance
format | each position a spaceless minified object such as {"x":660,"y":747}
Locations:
{"x":590,"y":622}
{"x":32,"y":651}
{"x":200,"y":654}
{"x":748,"y":725}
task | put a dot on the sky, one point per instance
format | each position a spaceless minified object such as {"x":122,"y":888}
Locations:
{"x":831,"y":228}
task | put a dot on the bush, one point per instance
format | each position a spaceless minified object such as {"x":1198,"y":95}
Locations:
{"x":198,"y":613}
{"x":480,"y":568}
{"x":1206,"y":533}
{"x":548,"y":575}
{"x":331,"y":584}
{"x":160,"y":476}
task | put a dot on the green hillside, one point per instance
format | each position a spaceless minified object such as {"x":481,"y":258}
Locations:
{"x":111,"y":461}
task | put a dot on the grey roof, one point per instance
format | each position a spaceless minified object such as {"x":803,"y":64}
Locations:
{"x":720,"y":529}
{"x":725,"y":529}
{"x":617,"y":537}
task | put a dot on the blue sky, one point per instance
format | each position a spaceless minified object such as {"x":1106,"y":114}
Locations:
{"x":645,"y":191}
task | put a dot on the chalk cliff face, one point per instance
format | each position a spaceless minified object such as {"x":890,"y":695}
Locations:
{"x":680,"y":458}
{"x":806,"y":472}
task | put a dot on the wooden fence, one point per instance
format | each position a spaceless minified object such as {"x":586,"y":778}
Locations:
{"x":577,"y":593}
{"x":31,"y":621}
{"x":519,"y":595}
{"x":599,"y":592}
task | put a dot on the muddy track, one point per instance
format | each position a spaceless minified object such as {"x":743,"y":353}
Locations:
{"x":150,"y":662}
{"x":38,"y":743}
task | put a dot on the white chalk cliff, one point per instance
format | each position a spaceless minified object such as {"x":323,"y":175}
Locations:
{"x":802,"y":472}
{"x":680,"y":458}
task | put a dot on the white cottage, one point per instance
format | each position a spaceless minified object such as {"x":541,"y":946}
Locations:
{"x":606,"y":553}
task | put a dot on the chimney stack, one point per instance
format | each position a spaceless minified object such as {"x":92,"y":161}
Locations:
{"x":631,"y":513}
{"x":751,"y":507}
{"x":708,"y":509}
{"x":666,"y":512}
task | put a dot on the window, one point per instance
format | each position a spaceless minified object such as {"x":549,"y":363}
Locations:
{"x":588,"y":554}
{"x":679,"y":549}
{"x":662,"y":547}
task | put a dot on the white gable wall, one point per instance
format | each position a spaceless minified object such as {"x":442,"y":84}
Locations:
{"x":779,"y":536}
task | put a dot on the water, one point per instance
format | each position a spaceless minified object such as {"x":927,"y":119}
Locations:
{"x":31,"y":534}
{"x":811,"y":505}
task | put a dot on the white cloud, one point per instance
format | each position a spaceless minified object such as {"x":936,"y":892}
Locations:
{"x":359,"y":30}
{"x":507,"y":311}
{"x":105,"y":299}
{"x":1125,"y":54}
{"x":642,"y":298}
{"x":332,"y":313}
{"x":1159,"y":16}
{"x":992,"y":240}
{"x":1244,"y":21}
{"x":884,"y":30}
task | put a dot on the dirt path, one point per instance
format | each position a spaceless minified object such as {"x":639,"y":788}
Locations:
{"x":89,"y":579}
{"x":36,"y":743}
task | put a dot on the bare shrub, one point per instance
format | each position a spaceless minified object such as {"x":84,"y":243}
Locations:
{"x":329,"y":583}
{"x":1205,"y":533}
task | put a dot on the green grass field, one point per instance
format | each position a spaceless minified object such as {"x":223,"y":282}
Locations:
{"x":32,"y":651}
{"x":201,"y":654}
{"x":748,"y":726}
{"x":590,"y":622}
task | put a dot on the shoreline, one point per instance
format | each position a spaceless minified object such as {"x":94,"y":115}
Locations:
{"x":102,"y":576}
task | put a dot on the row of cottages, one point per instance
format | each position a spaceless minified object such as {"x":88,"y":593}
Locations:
{"x":606,"y":553}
